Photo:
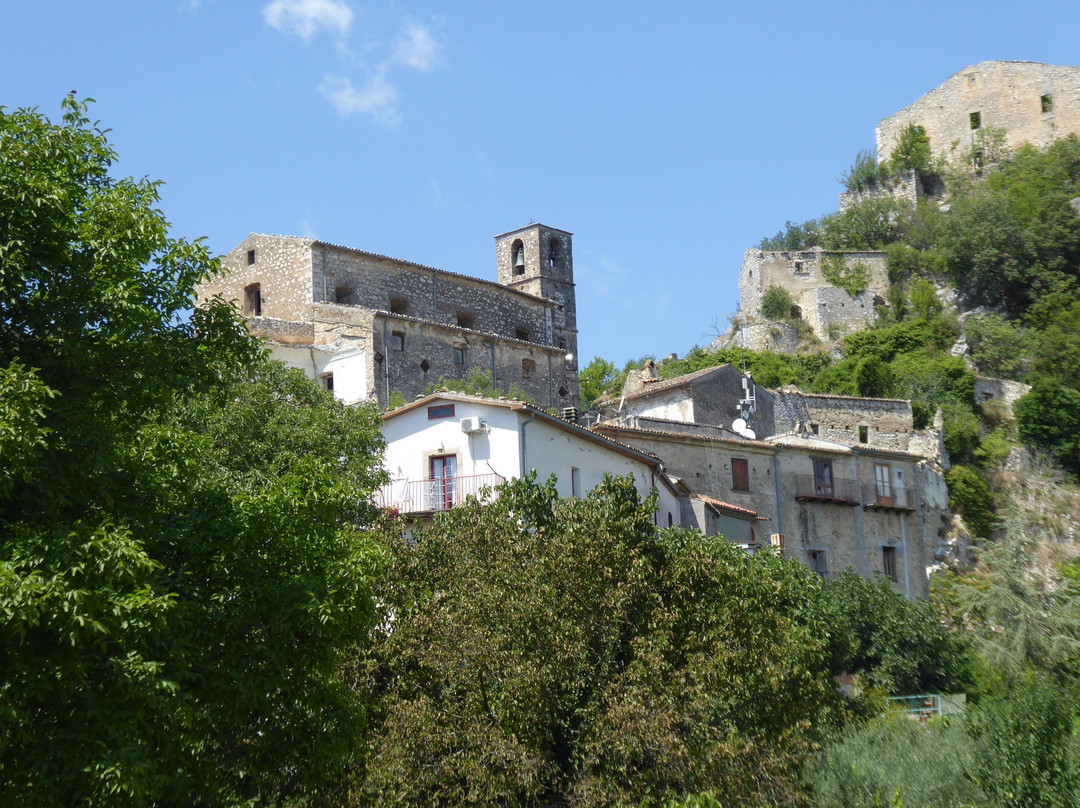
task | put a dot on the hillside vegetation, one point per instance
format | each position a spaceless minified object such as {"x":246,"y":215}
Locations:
{"x":1006,"y":241}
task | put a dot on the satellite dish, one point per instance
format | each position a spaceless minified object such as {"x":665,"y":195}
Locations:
{"x":738,"y":425}
{"x":749,"y":433}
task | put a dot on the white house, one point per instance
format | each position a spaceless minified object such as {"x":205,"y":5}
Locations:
{"x":443,"y":447}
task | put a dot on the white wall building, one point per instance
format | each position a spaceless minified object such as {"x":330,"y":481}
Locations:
{"x":446,"y":446}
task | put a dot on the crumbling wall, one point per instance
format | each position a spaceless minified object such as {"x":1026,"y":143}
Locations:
{"x":822,"y":305}
{"x":888,"y":422}
{"x":1007,"y":95}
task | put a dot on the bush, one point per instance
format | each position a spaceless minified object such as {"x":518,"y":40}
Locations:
{"x":776,"y":303}
{"x":970,"y":495}
{"x":1048,"y":417}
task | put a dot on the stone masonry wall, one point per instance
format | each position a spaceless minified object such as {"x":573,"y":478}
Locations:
{"x":281,"y":265}
{"x":888,"y":422}
{"x":1007,"y":95}
{"x":822,"y":305}
{"x":538,"y":371}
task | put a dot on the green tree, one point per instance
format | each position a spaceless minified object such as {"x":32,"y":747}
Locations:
{"x":1048,"y":417}
{"x":776,"y":303}
{"x":180,"y":556}
{"x":549,"y":651}
{"x":896,"y":644}
{"x":911,"y":152}
{"x":596,"y":378}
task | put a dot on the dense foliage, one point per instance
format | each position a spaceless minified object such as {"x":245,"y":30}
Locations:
{"x":548,"y":651}
{"x":181,"y":556}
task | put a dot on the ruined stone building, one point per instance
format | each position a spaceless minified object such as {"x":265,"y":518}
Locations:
{"x":368,"y":326}
{"x":841,"y":481}
{"x":1032,"y":102}
{"x":809,"y":278}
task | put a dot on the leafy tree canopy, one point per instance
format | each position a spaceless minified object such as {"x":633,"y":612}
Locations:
{"x":182,"y":557}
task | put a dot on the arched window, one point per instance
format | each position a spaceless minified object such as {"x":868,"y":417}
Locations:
{"x":517,"y":257}
{"x":554,"y":251}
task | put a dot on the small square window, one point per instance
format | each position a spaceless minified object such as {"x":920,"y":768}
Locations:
{"x":1047,"y":102}
{"x":459,"y":355}
{"x":818,"y":563}
{"x":251,"y":257}
{"x":522,"y":334}
{"x":975,"y":119}
{"x":397,"y":340}
{"x":465,"y":320}
{"x":327,"y":380}
{"x":864,"y":434}
{"x":399,"y":305}
{"x":440,"y":411}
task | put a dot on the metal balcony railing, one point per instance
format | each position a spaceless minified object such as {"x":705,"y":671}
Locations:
{"x":900,"y":499}
{"x":827,"y":489}
{"x":438,"y":494}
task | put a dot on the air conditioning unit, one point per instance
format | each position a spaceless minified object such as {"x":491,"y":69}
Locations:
{"x":472,"y":425}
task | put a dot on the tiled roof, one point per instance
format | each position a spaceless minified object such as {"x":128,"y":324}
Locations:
{"x":727,"y":506}
{"x":652,"y":387}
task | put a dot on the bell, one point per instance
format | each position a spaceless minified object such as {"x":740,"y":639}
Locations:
{"x":519,"y":260}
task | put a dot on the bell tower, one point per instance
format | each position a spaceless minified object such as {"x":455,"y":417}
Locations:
{"x":539,"y":260}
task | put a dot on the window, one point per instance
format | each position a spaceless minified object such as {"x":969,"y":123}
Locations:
{"x":343,"y":295}
{"x":818,"y":563}
{"x":562,"y":345}
{"x":251,"y":256}
{"x":554,"y":247}
{"x":327,"y":380}
{"x":883,"y":487}
{"x":864,"y":433}
{"x":888,"y":563}
{"x":459,"y":355}
{"x":975,"y":119}
{"x":517,"y":257}
{"x":397,"y":340}
{"x":465,"y":320}
{"x":798,"y":266}
{"x":823,"y":478}
{"x":740,"y":474}
{"x":528,"y":367}
{"x":399,"y":305}
{"x":441,"y":485}
{"x":575,"y":482}
{"x":1047,"y":102}
{"x":814,"y":428}
{"x":440,"y":411}
{"x":522,"y":334}
{"x":252,"y":300}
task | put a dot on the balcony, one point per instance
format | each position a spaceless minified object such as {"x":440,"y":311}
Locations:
{"x":439,"y":494}
{"x":809,"y":488}
{"x":888,"y":499}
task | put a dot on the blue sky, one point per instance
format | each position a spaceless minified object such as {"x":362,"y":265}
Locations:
{"x":668,"y":138}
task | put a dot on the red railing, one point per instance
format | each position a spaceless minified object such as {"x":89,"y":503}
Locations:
{"x":438,"y":494}
{"x":827,"y":489}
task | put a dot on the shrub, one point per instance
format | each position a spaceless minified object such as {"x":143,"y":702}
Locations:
{"x":776,"y":303}
{"x":970,"y":495}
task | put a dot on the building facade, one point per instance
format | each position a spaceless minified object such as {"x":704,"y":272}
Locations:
{"x":368,"y":326}
{"x":828,"y":309}
{"x":1031,"y":102}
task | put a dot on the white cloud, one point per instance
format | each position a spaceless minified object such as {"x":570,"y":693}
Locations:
{"x":417,"y":48}
{"x":377,"y":97}
{"x":305,"y":17}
